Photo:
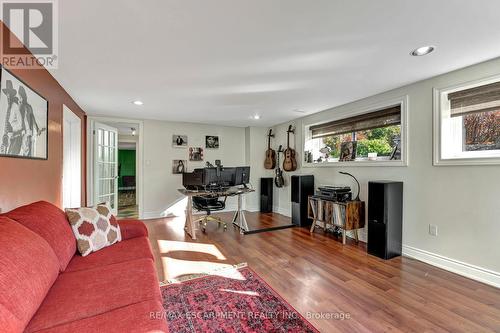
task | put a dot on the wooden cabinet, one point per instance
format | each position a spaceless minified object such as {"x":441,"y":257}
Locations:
{"x":345,"y":215}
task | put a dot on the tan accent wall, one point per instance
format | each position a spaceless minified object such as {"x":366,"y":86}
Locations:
{"x":23,"y":180}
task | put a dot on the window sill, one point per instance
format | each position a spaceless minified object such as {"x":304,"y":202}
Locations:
{"x":359,"y":163}
{"x":467,"y":161}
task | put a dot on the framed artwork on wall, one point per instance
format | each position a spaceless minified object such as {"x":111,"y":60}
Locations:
{"x":23,"y":119}
{"x":348,"y":151}
{"x":212,"y":142}
{"x":179,"y":166}
{"x":179,"y":141}
{"x":195,"y":154}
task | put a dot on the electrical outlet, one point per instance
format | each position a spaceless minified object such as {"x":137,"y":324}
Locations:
{"x":433,"y":230}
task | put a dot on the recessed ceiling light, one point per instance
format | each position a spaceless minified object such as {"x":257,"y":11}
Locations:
{"x":256,"y":117}
{"x":138,"y":102}
{"x":421,"y":51}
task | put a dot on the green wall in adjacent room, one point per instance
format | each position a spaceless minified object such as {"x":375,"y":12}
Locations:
{"x":126,"y":160}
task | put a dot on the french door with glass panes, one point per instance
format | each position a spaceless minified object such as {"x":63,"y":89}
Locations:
{"x":106,"y":165}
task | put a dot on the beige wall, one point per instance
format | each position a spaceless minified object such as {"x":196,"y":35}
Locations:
{"x":160,"y":185}
{"x":238,"y":147}
{"x":463,"y":201}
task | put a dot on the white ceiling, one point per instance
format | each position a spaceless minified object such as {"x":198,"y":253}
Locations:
{"x":222,"y":61}
{"x":124,"y":128}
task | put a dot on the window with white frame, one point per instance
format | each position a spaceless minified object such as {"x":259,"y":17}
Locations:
{"x":467,"y":123}
{"x":374,"y":135}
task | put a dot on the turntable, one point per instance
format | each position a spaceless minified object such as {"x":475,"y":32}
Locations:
{"x":334,"y":193}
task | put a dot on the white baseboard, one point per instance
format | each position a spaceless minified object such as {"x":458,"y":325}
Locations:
{"x":152,"y":215}
{"x":470,"y":271}
{"x":229,"y":208}
{"x":282,"y":211}
{"x":161,"y":214}
{"x":250,"y":208}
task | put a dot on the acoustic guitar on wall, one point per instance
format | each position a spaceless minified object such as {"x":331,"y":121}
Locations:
{"x":279,"y":181}
{"x":270,"y":162}
{"x":290,"y":162}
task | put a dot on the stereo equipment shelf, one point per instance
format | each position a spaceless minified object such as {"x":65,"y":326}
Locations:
{"x":348,"y":215}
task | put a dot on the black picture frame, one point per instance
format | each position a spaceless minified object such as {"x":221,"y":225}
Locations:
{"x":212,"y":142}
{"x":5,"y":120}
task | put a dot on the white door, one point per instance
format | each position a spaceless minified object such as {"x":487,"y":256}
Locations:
{"x":72,"y":159}
{"x":106,"y":165}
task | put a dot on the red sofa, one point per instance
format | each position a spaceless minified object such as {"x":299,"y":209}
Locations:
{"x":45,"y":286}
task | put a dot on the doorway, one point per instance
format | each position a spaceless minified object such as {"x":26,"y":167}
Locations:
{"x":123,"y":154}
{"x":127,"y":178}
{"x":72,"y":157}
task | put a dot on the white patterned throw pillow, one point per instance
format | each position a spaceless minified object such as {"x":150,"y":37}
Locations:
{"x":94,"y":228}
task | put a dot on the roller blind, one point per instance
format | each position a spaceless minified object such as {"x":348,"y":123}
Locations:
{"x":478,"y":99}
{"x":377,"y":119}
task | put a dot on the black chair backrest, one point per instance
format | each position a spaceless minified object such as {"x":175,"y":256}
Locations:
{"x":208,"y":203}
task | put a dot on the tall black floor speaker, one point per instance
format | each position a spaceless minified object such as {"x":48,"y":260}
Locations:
{"x":266,"y":195}
{"x":302,"y":187}
{"x":385,"y":219}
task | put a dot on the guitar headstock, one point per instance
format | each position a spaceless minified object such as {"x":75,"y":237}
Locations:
{"x":270,"y":135}
{"x":290,"y":129}
{"x":280,"y":149}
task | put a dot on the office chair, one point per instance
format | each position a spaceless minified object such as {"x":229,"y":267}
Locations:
{"x":128,"y":181}
{"x":209,"y":204}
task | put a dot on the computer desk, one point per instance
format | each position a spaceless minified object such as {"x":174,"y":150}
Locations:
{"x":190,"y":225}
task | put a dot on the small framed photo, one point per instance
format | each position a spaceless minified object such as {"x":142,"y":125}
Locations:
{"x":23,"y":119}
{"x":179,"y":166}
{"x":212,"y":142}
{"x":179,"y":141}
{"x":195,"y":154}
{"x":348,"y":151}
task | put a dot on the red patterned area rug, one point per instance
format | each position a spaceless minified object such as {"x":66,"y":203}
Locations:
{"x":234,"y":300}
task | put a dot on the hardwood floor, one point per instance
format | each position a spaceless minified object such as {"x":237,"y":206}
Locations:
{"x":128,"y":212}
{"x":319,"y":276}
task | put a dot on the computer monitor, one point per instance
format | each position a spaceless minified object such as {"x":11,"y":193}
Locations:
{"x":242,"y":176}
{"x":226,"y":176}
{"x":203,"y":177}
{"x":223,"y":176}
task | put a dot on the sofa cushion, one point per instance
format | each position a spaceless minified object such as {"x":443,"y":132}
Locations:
{"x":28,"y":268}
{"x":146,"y":316}
{"x":51,"y":224}
{"x":81,"y":294}
{"x":135,"y":248}
{"x":94,"y":228}
{"x":9,"y":322}
{"x":132,"y":228}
